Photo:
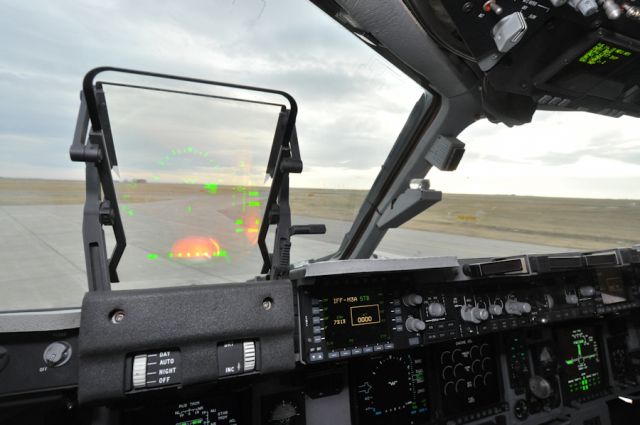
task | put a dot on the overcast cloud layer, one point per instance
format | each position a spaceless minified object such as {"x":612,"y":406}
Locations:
{"x":352,"y":103}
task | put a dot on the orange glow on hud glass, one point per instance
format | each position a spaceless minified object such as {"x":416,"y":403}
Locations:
{"x":196,"y":247}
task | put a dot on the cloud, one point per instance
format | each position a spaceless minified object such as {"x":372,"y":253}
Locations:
{"x":352,"y":103}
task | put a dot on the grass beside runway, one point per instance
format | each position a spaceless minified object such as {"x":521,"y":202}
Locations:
{"x":578,"y":223}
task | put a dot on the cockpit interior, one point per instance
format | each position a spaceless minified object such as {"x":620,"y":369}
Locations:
{"x":348,"y":336}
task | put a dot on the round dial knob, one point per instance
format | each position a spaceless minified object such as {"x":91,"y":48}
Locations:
{"x":415,"y":325}
{"x":412,"y":300}
{"x":436,"y":310}
{"x":57,"y":354}
{"x":474,"y":314}
{"x":587,"y":291}
{"x":571,"y":299}
{"x":540,"y":387}
{"x":495,"y":309}
{"x":517,"y":308}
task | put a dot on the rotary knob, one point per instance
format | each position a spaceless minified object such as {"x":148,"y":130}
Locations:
{"x":540,"y":387}
{"x":57,"y":354}
{"x":414,"y":325}
{"x":412,"y":300}
{"x":517,"y":308}
{"x":495,"y":309}
{"x":587,"y":291}
{"x":474,"y":314}
{"x":571,"y":299}
{"x":436,"y":310}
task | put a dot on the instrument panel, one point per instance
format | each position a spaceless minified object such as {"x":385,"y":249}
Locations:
{"x":348,"y":316}
{"x":478,"y":342}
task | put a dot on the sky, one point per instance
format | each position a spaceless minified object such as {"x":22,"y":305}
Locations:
{"x":352,"y":103}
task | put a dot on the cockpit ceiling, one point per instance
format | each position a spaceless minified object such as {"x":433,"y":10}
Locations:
{"x":575,"y":55}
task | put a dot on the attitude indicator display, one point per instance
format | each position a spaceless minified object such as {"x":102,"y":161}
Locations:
{"x":390,"y":389}
{"x":581,"y":363}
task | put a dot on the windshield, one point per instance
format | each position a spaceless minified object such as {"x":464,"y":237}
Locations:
{"x":190,"y":177}
{"x":566,"y":181}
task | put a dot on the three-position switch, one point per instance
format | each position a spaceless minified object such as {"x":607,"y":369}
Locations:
{"x":236,"y":357}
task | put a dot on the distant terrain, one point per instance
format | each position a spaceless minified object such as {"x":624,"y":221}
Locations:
{"x":565,"y":222}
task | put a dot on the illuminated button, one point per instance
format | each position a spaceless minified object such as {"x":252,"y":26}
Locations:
{"x":317,"y":339}
{"x":334,"y":355}
{"x":317,"y":329}
{"x":356,"y":351}
{"x":315,"y":357}
{"x":345,"y":353}
{"x":378,"y":348}
{"x":316,"y":320}
{"x":389,"y":346}
{"x":367,"y":350}
{"x":315,"y":310}
{"x":414,"y":341}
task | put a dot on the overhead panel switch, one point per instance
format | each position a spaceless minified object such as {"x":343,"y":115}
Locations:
{"x":509,"y":31}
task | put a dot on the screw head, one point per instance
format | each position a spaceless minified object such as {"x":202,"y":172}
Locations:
{"x":117,"y":316}
{"x":267,"y":303}
{"x":467,"y":7}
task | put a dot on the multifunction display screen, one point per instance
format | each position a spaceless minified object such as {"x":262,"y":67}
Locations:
{"x":390,"y":389}
{"x":355,"y":318}
{"x":580,"y":361}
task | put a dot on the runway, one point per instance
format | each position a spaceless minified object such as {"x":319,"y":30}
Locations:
{"x":43,"y":263}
